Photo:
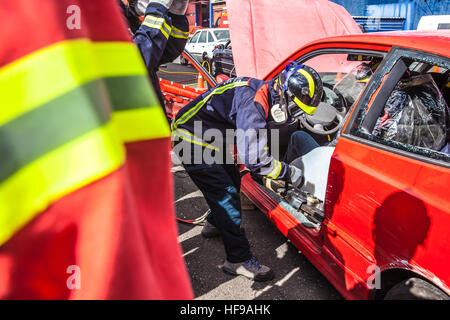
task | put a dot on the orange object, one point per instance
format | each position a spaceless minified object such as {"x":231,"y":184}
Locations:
{"x":200,"y":84}
{"x":338,"y":77}
{"x":436,"y":69}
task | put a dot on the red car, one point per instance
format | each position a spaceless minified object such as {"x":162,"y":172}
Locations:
{"x":374,"y":213}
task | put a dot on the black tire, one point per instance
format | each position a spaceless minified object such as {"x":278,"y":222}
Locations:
{"x":415,"y":289}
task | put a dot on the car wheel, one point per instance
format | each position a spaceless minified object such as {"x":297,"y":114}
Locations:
{"x":415,"y":289}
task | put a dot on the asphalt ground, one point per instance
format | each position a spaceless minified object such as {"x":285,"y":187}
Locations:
{"x":295,"y":277}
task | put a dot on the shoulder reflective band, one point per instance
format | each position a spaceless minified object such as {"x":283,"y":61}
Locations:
{"x":158,"y":24}
{"x":310,"y":79}
{"x":277,"y":166}
{"x":189,"y":114}
{"x":178,"y":33}
{"x":308,"y":109}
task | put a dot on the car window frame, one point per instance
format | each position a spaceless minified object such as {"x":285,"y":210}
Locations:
{"x":197,"y":33}
{"x":202,"y":33}
{"x":365,"y":112}
{"x":210,"y":36}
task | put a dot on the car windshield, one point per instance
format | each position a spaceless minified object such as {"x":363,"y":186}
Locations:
{"x":345,"y":74}
{"x":222,"y":34}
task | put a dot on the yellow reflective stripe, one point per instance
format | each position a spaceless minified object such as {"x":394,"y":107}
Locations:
{"x":189,"y":114}
{"x":78,"y":163}
{"x":159,"y":24}
{"x":187,"y":136}
{"x":178,"y":33}
{"x":308,"y":77}
{"x":276,"y":170}
{"x":308,"y":109}
{"x":53,"y":71}
{"x":141,"y":124}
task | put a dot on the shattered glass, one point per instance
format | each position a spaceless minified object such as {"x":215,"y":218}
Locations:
{"x":352,"y":84}
{"x":415,"y":114}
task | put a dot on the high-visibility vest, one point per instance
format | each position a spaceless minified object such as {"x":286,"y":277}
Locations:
{"x":86,"y":204}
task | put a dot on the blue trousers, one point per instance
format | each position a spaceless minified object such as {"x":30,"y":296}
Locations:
{"x":220,"y":185}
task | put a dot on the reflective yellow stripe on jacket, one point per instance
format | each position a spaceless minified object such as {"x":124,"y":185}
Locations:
{"x":70,"y":109}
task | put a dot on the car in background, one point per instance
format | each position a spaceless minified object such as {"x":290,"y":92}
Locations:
{"x":203,"y":42}
{"x":222,"y":60}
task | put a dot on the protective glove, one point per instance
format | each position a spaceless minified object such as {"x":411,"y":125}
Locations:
{"x":141,"y":5}
{"x":179,"y":7}
{"x":295,"y":177}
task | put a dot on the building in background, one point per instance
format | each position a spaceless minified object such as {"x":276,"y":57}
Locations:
{"x":390,"y":15}
{"x":207,"y":14}
{"x":373,"y":15}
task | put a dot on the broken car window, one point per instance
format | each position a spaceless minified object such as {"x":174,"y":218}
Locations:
{"x":417,"y":113}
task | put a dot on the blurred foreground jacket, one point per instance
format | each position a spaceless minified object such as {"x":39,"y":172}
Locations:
{"x":86,"y":204}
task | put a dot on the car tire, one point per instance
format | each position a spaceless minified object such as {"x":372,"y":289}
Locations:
{"x":415,"y":289}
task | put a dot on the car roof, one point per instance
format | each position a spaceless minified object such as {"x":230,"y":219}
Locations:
{"x":429,"y":41}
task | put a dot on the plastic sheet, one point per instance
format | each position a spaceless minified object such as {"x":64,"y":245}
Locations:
{"x":265,"y":32}
{"x":415,"y":114}
{"x":351,"y":86}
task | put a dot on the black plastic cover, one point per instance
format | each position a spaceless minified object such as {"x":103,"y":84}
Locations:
{"x":415,"y":114}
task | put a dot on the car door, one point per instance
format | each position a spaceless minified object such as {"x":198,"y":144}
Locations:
{"x":387,"y":203}
{"x":201,"y":45}
{"x":191,"y":45}
{"x":210,"y":44}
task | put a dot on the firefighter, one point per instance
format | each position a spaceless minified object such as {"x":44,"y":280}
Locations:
{"x":163,"y":34}
{"x":246,"y":106}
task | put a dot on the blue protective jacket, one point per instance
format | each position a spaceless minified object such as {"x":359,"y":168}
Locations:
{"x":161,"y":38}
{"x":239,"y":104}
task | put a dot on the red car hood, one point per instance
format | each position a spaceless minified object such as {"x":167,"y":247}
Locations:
{"x":265,"y":32}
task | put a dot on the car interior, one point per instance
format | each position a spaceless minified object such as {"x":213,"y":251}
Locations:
{"x":416,"y":115}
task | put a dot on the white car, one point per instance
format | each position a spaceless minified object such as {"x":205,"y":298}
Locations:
{"x":204,"y":41}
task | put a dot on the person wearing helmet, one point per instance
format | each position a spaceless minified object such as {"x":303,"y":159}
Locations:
{"x":162,"y":35}
{"x":239,"y":110}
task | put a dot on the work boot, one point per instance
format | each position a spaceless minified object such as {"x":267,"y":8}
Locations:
{"x":251,"y":269}
{"x":209,"y":231}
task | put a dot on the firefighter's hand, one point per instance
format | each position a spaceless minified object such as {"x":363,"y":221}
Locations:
{"x":179,"y":7}
{"x":295,"y":177}
{"x":141,"y":5}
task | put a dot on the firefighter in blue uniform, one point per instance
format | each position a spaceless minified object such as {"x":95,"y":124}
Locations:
{"x":163,"y":34}
{"x":246,"y":106}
